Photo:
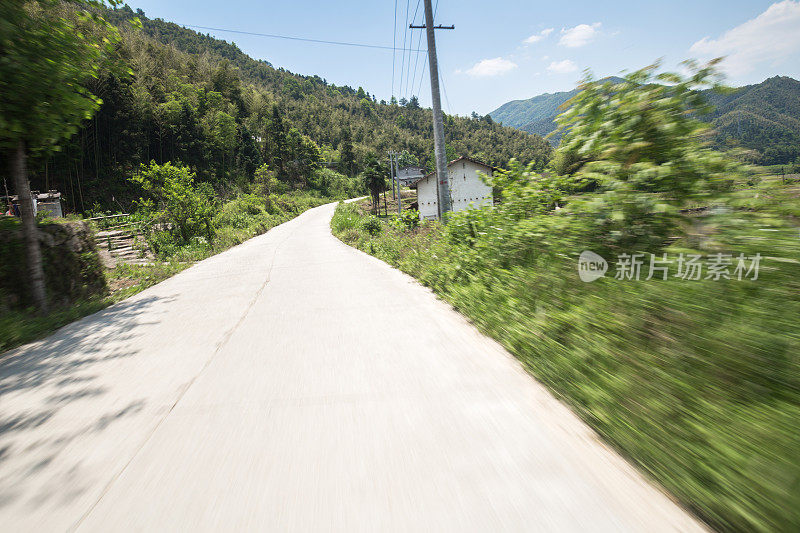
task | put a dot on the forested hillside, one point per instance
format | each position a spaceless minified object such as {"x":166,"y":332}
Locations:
{"x":536,"y":115}
{"x":764,"y":118}
{"x":190,"y":98}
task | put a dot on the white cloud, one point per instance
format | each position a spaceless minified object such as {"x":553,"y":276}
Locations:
{"x":491,"y":67}
{"x":536,"y":37}
{"x":562,"y":67}
{"x":771,"y":37}
{"x":578,"y":35}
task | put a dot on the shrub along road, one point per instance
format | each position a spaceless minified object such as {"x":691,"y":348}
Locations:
{"x":294,"y":383}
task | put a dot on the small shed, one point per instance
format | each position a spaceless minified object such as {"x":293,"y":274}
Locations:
{"x":408,"y":175}
{"x":49,"y":202}
{"x":467,"y":189}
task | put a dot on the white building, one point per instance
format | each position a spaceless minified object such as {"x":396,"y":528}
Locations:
{"x":466,"y":188}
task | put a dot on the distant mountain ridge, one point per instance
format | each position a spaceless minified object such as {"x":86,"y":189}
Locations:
{"x":764,"y":117}
{"x":537,"y":114}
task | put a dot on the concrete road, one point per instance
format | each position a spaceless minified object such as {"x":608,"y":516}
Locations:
{"x":295,"y":384}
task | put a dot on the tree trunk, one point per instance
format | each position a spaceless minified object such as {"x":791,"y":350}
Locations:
{"x":33,"y":253}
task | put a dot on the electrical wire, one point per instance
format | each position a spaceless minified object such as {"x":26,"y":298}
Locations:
{"x":422,"y":71}
{"x":421,"y":78}
{"x":304,"y":39}
{"x":394,"y":44}
{"x":411,"y":32}
{"x":444,"y":90}
{"x":439,"y":66}
{"x":416,"y":62}
{"x":405,"y":39}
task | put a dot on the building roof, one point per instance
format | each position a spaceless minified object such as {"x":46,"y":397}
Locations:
{"x":49,"y":195}
{"x":463,"y":157}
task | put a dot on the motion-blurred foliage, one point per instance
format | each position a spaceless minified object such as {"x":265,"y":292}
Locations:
{"x":698,"y":382}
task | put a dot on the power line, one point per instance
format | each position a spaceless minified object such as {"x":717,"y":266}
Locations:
{"x":416,"y":62}
{"x":408,"y":68}
{"x":394,"y":43}
{"x":421,"y":78}
{"x":305,"y":39}
{"x":405,"y":39}
{"x":444,"y":89}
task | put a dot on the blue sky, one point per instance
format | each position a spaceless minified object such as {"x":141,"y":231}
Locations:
{"x":506,"y":49}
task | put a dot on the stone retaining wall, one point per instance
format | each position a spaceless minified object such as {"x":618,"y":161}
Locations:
{"x":71,"y":264}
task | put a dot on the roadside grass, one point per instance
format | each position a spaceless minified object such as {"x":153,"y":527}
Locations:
{"x":19,"y":327}
{"x":696,"y":382}
{"x":240,"y":219}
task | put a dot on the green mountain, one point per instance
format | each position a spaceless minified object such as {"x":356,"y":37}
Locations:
{"x":535,"y":115}
{"x":764,"y":118}
{"x":177,"y":95}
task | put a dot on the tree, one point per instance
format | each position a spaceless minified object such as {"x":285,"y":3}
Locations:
{"x":48,"y":50}
{"x":276,"y":141}
{"x":170,"y":110}
{"x":639,"y":142}
{"x":247,"y":155}
{"x":374,"y":177}
{"x":450,"y":153}
{"x":347,"y":159}
{"x":406,"y":159}
{"x":183,"y":207}
{"x":263,"y":180}
{"x":304,"y":156}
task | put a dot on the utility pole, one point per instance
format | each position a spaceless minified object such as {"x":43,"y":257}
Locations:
{"x":392,"y":172}
{"x":438,"y":127}
{"x":396,"y":162}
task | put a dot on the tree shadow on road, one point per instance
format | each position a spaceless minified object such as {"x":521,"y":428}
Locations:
{"x":49,"y":375}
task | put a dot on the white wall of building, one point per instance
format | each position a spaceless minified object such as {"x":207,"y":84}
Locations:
{"x":427,"y":198}
{"x":466,"y":189}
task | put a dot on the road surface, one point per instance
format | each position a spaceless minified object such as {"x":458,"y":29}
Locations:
{"x":295,"y":384}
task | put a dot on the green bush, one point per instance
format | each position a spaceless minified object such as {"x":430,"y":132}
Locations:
{"x":409,"y":218}
{"x":335,"y":185}
{"x":640,"y":142}
{"x":372,"y":225}
{"x":179,"y":210}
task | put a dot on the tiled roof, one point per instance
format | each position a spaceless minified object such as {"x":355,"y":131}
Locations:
{"x":463,"y":157}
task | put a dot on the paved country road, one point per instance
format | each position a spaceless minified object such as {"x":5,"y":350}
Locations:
{"x":295,"y":384}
